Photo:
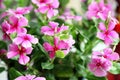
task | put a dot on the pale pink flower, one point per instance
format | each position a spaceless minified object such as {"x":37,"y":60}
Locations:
{"x":98,"y":10}
{"x":2,"y":6}
{"x":15,"y":50}
{"x":5,"y":27}
{"x":99,"y":66}
{"x":53,"y":29}
{"x":20,"y":11}
{"x":26,"y":40}
{"x":49,"y":8}
{"x":16,"y":24}
{"x":107,"y":53}
{"x":30,"y":77}
{"x":58,"y":45}
{"x":67,"y":15}
{"x":107,"y":33}
{"x":41,"y":2}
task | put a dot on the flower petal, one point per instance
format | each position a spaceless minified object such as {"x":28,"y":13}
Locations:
{"x":23,"y":59}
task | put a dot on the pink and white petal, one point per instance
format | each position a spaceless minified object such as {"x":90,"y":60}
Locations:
{"x":11,"y":54}
{"x":114,"y":56}
{"x":21,"y":78}
{"x":29,"y":50}
{"x":55,"y":3}
{"x":63,"y":28}
{"x":63,"y":45}
{"x":102,"y":16}
{"x":34,"y":40}
{"x":30,"y":77}
{"x":114,"y":34}
{"x":18,"y":40}
{"x":108,"y":51}
{"x":102,"y":26}
{"x":53,"y":25}
{"x":40,"y":78}
{"x":96,"y":54}
{"x":47,"y":30}
{"x":111,"y":25}
{"x":23,"y":59}
{"x":13,"y":19}
{"x":50,"y":13}
{"x":100,"y":72}
{"x":13,"y":47}
{"x":43,"y":9}
{"x":101,"y":35}
{"x":47,"y":46}
{"x":26,"y":44}
{"x":22,"y":22}
{"x":108,"y":41}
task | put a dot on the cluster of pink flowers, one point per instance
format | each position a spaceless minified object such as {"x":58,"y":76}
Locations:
{"x":30,"y":77}
{"x":102,"y":62}
{"x":67,"y":15}
{"x":63,"y":45}
{"x":22,"y":42}
{"x":48,"y":7}
{"x":98,"y":10}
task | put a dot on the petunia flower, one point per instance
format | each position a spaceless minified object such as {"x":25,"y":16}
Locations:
{"x":26,"y":40}
{"x":53,"y":29}
{"x":5,"y":27}
{"x":107,"y":33}
{"x":58,"y":45}
{"x":15,"y":24}
{"x":98,"y":10}
{"x":49,"y":8}
{"x":41,"y":2}
{"x":99,"y":66}
{"x":107,"y":53}
{"x":15,"y":50}
{"x":20,"y":11}
{"x":30,"y":77}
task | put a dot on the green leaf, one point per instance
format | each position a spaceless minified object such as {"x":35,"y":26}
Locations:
{"x":12,"y":36}
{"x":2,"y":69}
{"x":60,"y":54}
{"x":13,"y":73}
{"x":3,"y":45}
{"x":47,"y":65}
{"x":115,"y":69}
{"x":64,"y":36}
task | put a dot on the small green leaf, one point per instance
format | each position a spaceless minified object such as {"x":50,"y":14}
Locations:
{"x":2,"y":69}
{"x":60,"y":54}
{"x":64,"y":36}
{"x":12,"y":36}
{"x":47,"y":65}
{"x":13,"y":73}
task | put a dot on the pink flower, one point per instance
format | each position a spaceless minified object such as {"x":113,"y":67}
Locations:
{"x":70,"y":41}
{"x":98,"y":10}
{"x":5,"y":27}
{"x":26,"y":40}
{"x":58,"y":45}
{"x":15,"y":50}
{"x":68,"y":16}
{"x":41,"y":2}
{"x":2,"y":6}
{"x":50,"y":8}
{"x":20,"y":11}
{"x":16,"y":24}
{"x":107,"y":33}
{"x":53,"y":29}
{"x":30,"y":77}
{"x":99,"y":66}
{"x":108,"y":54}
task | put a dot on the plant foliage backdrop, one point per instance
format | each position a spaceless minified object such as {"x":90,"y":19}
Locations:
{"x":45,"y":40}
